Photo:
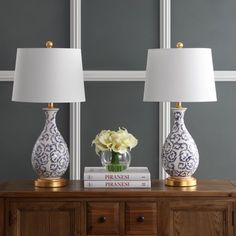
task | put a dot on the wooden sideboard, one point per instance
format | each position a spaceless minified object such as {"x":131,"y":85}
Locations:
{"x":207,"y":209}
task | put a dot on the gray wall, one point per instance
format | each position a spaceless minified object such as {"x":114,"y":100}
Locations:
{"x":110,"y":105}
{"x":20,"y":126}
{"x":207,"y":23}
{"x":115,"y":36}
{"x":117,"y":33}
{"x":27,"y":23}
{"x":30,"y":23}
{"x":212,"y":125}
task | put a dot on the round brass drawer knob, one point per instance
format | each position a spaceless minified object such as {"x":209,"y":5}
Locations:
{"x":140,"y":219}
{"x":102,"y":219}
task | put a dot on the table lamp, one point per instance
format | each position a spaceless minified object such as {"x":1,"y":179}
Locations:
{"x":49,"y":75}
{"x":180,"y":75}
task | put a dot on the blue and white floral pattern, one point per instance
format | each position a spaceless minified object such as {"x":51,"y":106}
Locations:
{"x":50,"y":156}
{"x":180,"y":155}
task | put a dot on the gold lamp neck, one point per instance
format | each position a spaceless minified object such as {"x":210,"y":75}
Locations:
{"x":50,"y":105}
{"x":179,"y":45}
{"x":49,"y":44}
{"x":178,"y":105}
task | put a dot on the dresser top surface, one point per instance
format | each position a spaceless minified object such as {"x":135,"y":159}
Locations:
{"x":204,"y":188}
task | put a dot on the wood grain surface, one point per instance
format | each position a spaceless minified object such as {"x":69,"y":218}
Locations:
{"x":205,"y":210}
{"x":75,"y":189}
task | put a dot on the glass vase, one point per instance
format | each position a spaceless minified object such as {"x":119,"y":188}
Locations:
{"x":115,"y":161}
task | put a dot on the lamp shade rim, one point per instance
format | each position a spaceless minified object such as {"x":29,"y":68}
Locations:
{"x":61,"y":49}
{"x":194,"y":101}
{"x":47,"y":101}
{"x":178,"y":49}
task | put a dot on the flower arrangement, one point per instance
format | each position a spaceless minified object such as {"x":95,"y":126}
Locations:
{"x":117,"y":142}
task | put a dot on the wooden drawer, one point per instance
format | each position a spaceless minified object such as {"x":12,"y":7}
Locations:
{"x":140,"y":218}
{"x":103,"y":218}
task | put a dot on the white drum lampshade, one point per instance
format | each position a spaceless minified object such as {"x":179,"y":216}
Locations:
{"x":49,"y":75}
{"x":180,"y":75}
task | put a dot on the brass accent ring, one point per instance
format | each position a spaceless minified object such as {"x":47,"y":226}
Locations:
{"x":50,"y":183}
{"x":181,"y":181}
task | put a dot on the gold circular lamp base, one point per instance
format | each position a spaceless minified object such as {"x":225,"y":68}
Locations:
{"x":50,"y":183}
{"x":181,"y":181}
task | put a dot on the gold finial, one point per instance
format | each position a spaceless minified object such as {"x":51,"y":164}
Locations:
{"x":49,"y":44}
{"x":179,"y":45}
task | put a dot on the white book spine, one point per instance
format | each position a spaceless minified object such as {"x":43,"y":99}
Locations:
{"x":120,"y":176}
{"x":117,"y":184}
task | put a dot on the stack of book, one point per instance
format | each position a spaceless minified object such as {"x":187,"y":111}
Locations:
{"x":133,"y":177}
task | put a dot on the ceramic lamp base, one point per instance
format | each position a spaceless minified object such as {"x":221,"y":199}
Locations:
{"x":50,"y":183}
{"x":50,"y":156}
{"x":181,"y":181}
